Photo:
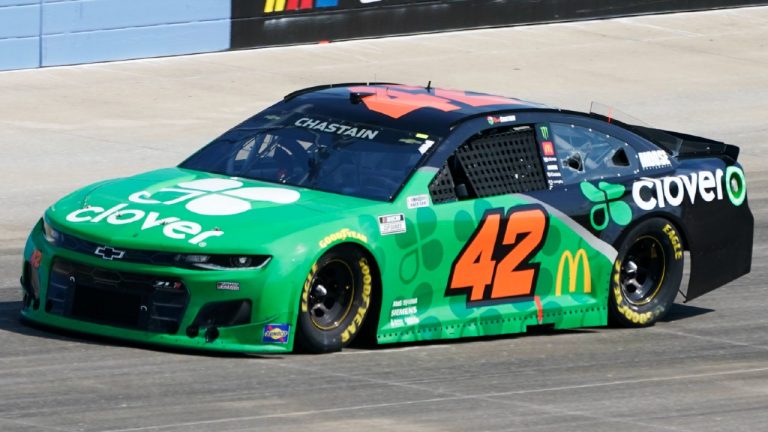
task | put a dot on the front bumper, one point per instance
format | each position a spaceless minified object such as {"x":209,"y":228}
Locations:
{"x":160,"y":305}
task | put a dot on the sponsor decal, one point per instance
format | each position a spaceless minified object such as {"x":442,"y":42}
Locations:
{"x":677,"y":246}
{"x":492,"y":120}
{"x":404,"y":313}
{"x":573,"y":261}
{"x":736,"y":185}
{"x":544,"y":132}
{"x":336,"y":128}
{"x":608,"y":205}
{"x":553,"y":183}
{"x":342,"y":235}
{"x":109,"y":253}
{"x":357,"y":321}
{"x":208,"y":197}
{"x":276,"y":333}
{"x":417,"y":201}
{"x":654,"y":159}
{"x":215,"y":197}
{"x":650,"y":193}
{"x":426,"y":146}
{"x":547,"y":148}
{"x":228,"y":286}
{"x":549,"y":159}
{"x":392,"y":224}
{"x":552,"y":167}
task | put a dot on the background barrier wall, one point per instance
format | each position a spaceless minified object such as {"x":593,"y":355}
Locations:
{"x":36,"y":33}
{"x":281,"y":22}
{"x":19,"y":34}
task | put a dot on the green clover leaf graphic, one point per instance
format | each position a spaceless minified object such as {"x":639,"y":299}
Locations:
{"x":608,"y":205}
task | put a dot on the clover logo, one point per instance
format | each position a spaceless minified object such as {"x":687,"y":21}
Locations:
{"x":609,"y":205}
{"x":215,"y":197}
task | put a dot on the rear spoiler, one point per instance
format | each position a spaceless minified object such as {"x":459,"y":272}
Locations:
{"x":683,"y":145}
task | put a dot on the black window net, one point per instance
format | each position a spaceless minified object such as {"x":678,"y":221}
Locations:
{"x":501,"y":162}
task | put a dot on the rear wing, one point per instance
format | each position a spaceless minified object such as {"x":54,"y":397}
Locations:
{"x":683,"y":145}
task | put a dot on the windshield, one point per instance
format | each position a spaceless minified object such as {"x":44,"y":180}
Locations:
{"x":316,"y":152}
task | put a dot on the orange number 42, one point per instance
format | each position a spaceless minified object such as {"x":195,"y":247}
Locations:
{"x":495,"y":263}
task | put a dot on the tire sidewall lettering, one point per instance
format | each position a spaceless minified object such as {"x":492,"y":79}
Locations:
{"x":362,"y":309}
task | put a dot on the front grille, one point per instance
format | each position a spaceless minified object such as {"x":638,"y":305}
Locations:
{"x":168,"y":259}
{"x":121,"y":299}
{"x":77,"y":244}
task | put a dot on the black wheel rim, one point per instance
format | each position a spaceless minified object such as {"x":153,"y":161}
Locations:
{"x":331,"y":295}
{"x":642,"y":270}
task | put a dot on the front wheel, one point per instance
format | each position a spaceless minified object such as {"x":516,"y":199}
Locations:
{"x":646,"y":275}
{"x":335,"y":300}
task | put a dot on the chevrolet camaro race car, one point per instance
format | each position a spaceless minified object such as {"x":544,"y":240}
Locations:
{"x":397,"y":213}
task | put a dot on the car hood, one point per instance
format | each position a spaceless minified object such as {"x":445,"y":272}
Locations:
{"x":183,"y":210}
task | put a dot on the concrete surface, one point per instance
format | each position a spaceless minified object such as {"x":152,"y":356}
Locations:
{"x":704,"y":369}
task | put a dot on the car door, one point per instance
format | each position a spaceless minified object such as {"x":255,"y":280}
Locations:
{"x":502,"y":257}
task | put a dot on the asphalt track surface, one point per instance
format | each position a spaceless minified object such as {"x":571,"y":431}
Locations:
{"x":705,"y":368}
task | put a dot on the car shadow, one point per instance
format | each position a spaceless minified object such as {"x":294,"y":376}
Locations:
{"x":680,"y":311}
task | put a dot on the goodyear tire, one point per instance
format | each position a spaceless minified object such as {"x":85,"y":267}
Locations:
{"x":334,"y":301}
{"x":646,"y":275}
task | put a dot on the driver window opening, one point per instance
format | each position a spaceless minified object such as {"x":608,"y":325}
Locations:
{"x":584,"y":153}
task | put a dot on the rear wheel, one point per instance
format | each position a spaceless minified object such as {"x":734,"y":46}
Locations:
{"x":646,"y":275}
{"x":335,"y":300}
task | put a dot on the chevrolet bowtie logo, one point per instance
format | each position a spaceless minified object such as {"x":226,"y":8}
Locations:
{"x":109,"y":253}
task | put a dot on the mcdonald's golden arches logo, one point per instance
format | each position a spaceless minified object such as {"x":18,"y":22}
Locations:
{"x":573,"y":271}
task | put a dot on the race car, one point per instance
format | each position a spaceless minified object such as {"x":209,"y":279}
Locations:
{"x":397,"y":213}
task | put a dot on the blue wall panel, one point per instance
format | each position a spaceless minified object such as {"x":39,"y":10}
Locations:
{"x":19,"y":21}
{"x":19,"y":34}
{"x":136,"y":42}
{"x":84,"y":31}
{"x":19,"y":53}
{"x":71,"y":16}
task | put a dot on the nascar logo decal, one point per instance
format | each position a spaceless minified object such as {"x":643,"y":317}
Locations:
{"x":271,"y":6}
{"x":292,"y":5}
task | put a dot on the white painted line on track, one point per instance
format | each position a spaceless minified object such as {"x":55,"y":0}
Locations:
{"x":449,"y":398}
{"x":710,"y":338}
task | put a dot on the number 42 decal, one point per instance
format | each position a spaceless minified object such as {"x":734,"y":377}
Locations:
{"x":495,"y":263}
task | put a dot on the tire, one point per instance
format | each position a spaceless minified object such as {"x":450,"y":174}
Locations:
{"x":646,"y":275}
{"x":335,"y":300}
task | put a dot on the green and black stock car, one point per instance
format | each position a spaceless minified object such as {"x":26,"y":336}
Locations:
{"x":397,"y":213}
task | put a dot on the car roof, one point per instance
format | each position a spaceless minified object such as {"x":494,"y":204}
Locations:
{"x":418,"y":109}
